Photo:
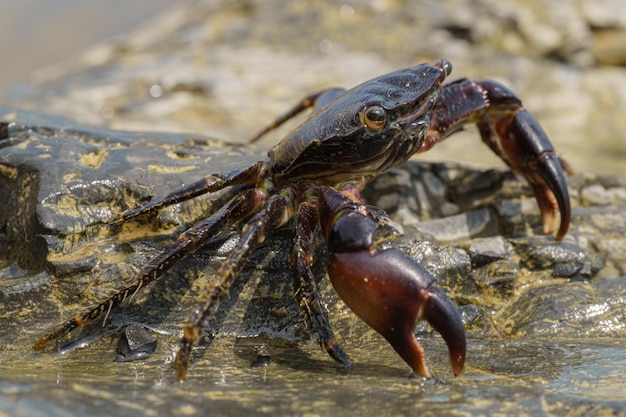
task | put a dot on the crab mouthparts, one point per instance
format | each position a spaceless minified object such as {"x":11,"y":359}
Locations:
{"x":416,"y":124}
{"x":419,"y":112}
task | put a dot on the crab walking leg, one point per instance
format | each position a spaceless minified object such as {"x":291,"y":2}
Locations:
{"x":209,"y":184}
{"x":513,"y":134}
{"x":383,"y":286}
{"x":301,"y":258}
{"x":316,"y":101}
{"x":278,"y":210}
{"x":192,"y":239}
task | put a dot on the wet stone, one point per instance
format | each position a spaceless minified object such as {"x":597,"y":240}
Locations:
{"x":460,"y":227}
{"x":410,"y":201}
{"x":565,"y":259}
{"x":478,"y":181}
{"x":74,"y":266}
{"x":579,"y":309}
{"x":136,"y":342}
{"x":262,"y":357}
{"x":515,"y":217}
{"x":496,"y":279}
{"x":476,"y":320}
{"x":485,"y":250}
{"x":22,"y":285}
{"x":450,"y":265}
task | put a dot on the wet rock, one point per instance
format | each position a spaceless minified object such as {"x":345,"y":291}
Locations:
{"x":467,"y":225}
{"x":262,"y":357}
{"x":498,"y":279}
{"x":578,"y":309}
{"x":412,"y":202}
{"x":486,"y":250}
{"x":135,"y":343}
{"x":65,"y":183}
{"x":74,"y":266}
{"x":607,"y":228}
{"x":565,"y":259}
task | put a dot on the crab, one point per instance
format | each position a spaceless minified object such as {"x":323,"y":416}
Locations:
{"x":315,"y":176}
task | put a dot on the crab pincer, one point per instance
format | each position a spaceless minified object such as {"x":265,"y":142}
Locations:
{"x":386,"y":288}
{"x":530,"y":153}
{"x":513,"y":134}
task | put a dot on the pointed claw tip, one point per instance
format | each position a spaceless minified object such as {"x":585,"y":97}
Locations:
{"x":425,"y":372}
{"x":444,"y":317}
{"x":406,"y":345}
{"x":549,"y":168}
{"x":457,"y":362}
{"x":562,"y":231}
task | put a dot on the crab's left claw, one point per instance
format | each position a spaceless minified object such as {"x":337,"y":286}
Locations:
{"x":543,"y":169}
{"x":517,"y":137}
{"x":391,"y":292}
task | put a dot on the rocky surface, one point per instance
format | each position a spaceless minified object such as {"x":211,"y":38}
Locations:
{"x":545,"y":319}
{"x":66,"y":185}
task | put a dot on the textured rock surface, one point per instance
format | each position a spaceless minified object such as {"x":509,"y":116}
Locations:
{"x":66,"y":185}
{"x":545,"y":320}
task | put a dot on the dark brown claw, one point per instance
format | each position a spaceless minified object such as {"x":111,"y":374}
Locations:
{"x":391,"y":292}
{"x":517,"y":137}
{"x":513,"y":134}
{"x":444,"y":317}
{"x":543,"y":169}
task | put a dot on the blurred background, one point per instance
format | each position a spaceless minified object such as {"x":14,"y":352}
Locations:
{"x":38,"y":33}
{"x":227,"y":68}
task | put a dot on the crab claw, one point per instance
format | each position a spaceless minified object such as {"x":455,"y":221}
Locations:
{"x":543,"y":169}
{"x":521,"y":142}
{"x":391,"y":292}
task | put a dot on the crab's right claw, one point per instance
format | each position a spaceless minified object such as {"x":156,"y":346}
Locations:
{"x":443,"y":316}
{"x":391,"y":292}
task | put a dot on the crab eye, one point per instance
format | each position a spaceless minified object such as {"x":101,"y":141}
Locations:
{"x":373,"y":117}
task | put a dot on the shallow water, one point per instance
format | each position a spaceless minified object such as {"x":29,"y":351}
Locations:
{"x":530,"y":378}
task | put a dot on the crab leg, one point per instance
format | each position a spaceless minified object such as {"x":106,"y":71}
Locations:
{"x":315,"y":100}
{"x":383,"y":286}
{"x":301,"y":258}
{"x":514,"y":135}
{"x":209,"y":184}
{"x":239,"y":207}
{"x":276,"y":212}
